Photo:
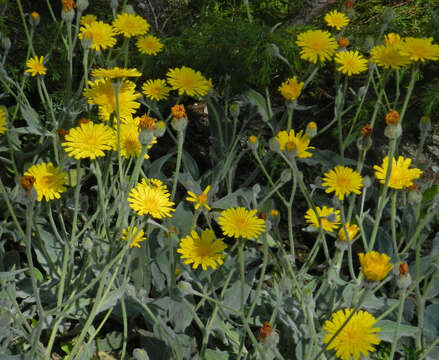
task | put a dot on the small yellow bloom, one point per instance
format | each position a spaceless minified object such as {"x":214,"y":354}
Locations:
{"x":156,"y":89}
{"x":3,"y":120}
{"x":240,"y":222}
{"x":115,"y":73}
{"x":205,"y":250}
{"x":329,"y":218}
{"x":342,"y":181}
{"x":134,"y":236}
{"x":316,"y":45}
{"x":149,"y":45}
{"x":35,"y":66}
{"x":188,"y":81}
{"x":400,"y":175}
{"x":291,"y":89}
{"x":130,"y":25}
{"x":392,"y":117}
{"x":35,"y":15}
{"x":292,"y":141}
{"x":389,"y":55}
{"x":101,"y":34}
{"x":274,"y":213}
{"x":336,"y":19}
{"x":88,"y":19}
{"x":253,"y":139}
{"x":199,"y":200}
{"x":49,"y":182}
{"x":352,"y":62}
{"x":352,"y":231}
{"x":375,"y":266}
{"x":419,"y":49}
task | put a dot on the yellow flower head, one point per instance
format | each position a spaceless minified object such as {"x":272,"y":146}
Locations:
{"x":291,"y":141}
{"x":316,"y":45}
{"x":101,"y":93}
{"x":291,"y":89}
{"x":356,"y":337}
{"x":35,"y":66}
{"x":129,"y":138}
{"x":89,"y":140}
{"x":419,"y":49}
{"x":149,"y":45}
{"x":336,"y":19}
{"x":151,"y":198}
{"x":130,"y":25}
{"x":342,"y":180}
{"x":188,"y":81}
{"x":374,"y":266}
{"x":134,"y":236}
{"x":352,"y":62}
{"x":49,"y":182}
{"x":101,"y":34}
{"x":240,"y":222}
{"x":199,"y":200}
{"x":329,"y":218}
{"x":3,"y":120}
{"x":115,"y":73}
{"x":400,"y":176}
{"x":392,"y":39}
{"x":88,"y":19}
{"x":352,"y":231}
{"x":388,"y":56}
{"x":156,"y":89}
{"x":205,"y":250}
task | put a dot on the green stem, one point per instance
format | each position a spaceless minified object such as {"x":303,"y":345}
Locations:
{"x":403,"y":295}
{"x":178,"y":164}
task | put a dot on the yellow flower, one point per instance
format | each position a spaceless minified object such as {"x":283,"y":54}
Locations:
{"x":291,"y":89}
{"x":400,"y":176}
{"x":200,"y":200}
{"x":115,"y":73}
{"x":240,"y":222}
{"x":292,"y":141}
{"x":129,"y":139}
{"x":352,"y":231}
{"x":149,"y":45}
{"x":89,"y":140}
{"x":151,"y":198}
{"x":134,"y":236}
{"x":329,"y":218}
{"x":101,"y":93}
{"x":88,"y":19}
{"x":130,"y":25}
{"x":392,"y":39}
{"x":274,"y":213}
{"x":101,"y":34}
{"x":388,"y":56}
{"x":316,"y":45}
{"x":352,"y":62}
{"x":375,"y":266}
{"x":49,"y":182}
{"x":156,"y":89}
{"x":419,"y":49}
{"x":3,"y":120}
{"x":188,"y":81}
{"x":356,"y":337}
{"x":342,"y":180}
{"x":205,"y":250}
{"x":35,"y":66}
{"x":336,"y":19}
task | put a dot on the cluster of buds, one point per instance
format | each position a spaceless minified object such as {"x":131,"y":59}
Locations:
{"x":364,"y":142}
{"x":179,"y":117}
{"x":393,"y":129}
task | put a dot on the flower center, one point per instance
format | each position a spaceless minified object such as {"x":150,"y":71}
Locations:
{"x":202,"y":199}
{"x":150,"y":204}
{"x":46,"y":181}
{"x":342,"y":182}
{"x":291,"y":146}
{"x":241,"y":224}
{"x":90,"y":140}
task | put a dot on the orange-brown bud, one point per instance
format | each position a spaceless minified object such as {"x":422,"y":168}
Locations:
{"x":343,"y":42}
{"x":27,"y":182}
{"x":392,"y":117}
{"x":262,"y":215}
{"x":82,"y":121}
{"x":366,"y":131}
{"x":62,"y":133}
{"x":265,"y":331}
{"x":349,"y":4}
{"x":68,"y":5}
{"x":403,"y":269}
{"x":147,"y":123}
{"x":178,"y":112}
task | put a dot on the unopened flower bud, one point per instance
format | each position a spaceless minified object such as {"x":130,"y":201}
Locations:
{"x":404,"y":279}
{"x":311,"y":129}
{"x":82,"y":121}
{"x":285,"y":176}
{"x":414,"y":195}
{"x":82,"y":5}
{"x":274,"y":145}
{"x":129,"y":9}
{"x":274,"y":213}
{"x":86,"y":41}
{"x":114,"y":4}
{"x":87,"y":244}
{"x":160,"y":128}
{"x":392,"y":117}
{"x":34,"y":19}
{"x":68,"y":16}
{"x":425,"y":124}
{"x":180,"y":119}
{"x":234,"y":110}
{"x":367,"y":182}
{"x":27,"y":182}
{"x":185,"y":287}
{"x":62,"y":133}
{"x":6,"y":43}
{"x":262,"y":215}
{"x":364,"y":141}
{"x":252,"y":142}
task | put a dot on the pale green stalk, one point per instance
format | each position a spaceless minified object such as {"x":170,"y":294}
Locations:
{"x":116,"y":86}
{"x":178,"y":164}
{"x":290,"y":111}
{"x":26,"y":30}
{"x":11,"y":210}
{"x":403,"y":295}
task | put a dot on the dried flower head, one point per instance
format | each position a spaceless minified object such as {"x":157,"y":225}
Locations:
{"x":178,"y":112}
{"x":366,"y":131}
{"x":147,"y":123}
{"x":392,"y":117}
{"x":62,"y":133}
{"x":68,"y":5}
{"x":343,"y":42}
{"x":27,"y":182}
